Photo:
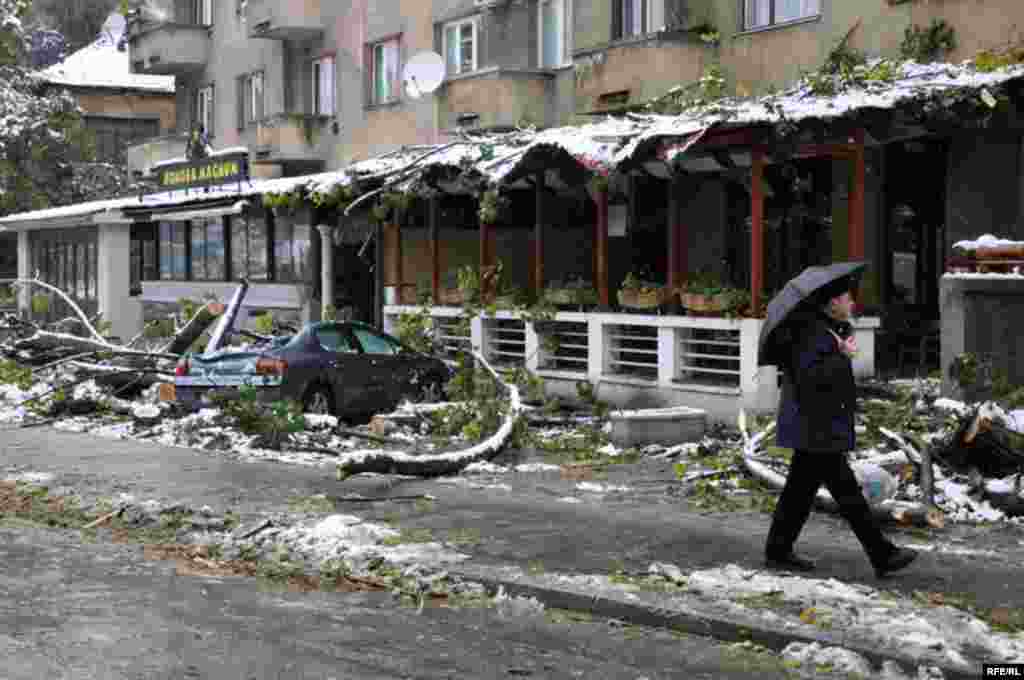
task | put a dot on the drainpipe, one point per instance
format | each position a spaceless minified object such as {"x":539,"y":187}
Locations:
{"x":326,"y":270}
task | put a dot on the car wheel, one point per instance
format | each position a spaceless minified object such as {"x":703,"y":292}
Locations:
{"x":319,"y":401}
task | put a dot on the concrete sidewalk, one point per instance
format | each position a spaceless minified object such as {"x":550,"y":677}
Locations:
{"x":523,"y":527}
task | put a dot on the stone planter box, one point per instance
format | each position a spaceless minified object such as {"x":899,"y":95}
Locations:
{"x":673,"y":425}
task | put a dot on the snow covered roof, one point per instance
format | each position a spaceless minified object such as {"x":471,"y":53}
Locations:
{"x":910,"y":81}
{"x":601,"y":146}
{"x":101,"y":64}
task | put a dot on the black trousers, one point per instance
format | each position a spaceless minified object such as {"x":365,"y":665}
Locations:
{"x":807,"y":472}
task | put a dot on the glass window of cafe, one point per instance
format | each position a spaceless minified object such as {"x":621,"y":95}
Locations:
{"x":257,"y":246}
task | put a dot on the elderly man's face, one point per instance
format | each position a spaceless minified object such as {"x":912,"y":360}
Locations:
{"x":841,"y":308}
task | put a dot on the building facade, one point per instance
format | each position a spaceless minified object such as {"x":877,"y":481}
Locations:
{"x":303,"y":86}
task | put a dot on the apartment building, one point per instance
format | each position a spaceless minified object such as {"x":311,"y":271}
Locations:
{"x":300,"y":86}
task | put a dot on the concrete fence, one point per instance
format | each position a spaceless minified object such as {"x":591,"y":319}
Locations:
{"x":633,"y":360}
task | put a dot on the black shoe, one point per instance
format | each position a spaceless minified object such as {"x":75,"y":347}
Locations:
{"x":790,"y":561}
{"x":898,"y":559}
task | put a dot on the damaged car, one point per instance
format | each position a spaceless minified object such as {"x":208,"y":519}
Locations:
{"x":347,"y":369}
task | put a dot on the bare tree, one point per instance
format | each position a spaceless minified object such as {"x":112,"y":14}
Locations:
{"x":79,"y":21}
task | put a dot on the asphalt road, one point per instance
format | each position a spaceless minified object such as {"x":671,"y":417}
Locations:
{"x":103,"y":611}
{"x":70,"y":610}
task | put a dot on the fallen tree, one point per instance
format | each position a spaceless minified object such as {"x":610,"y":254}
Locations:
{"x":437,"y":465}
{"x":903,"y":512}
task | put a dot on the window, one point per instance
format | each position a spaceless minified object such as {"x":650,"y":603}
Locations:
{"x":207,"y":256}
{"x":144,"y":264}
{"x":552,"y":23}
{"x":249,"y":247}
{"x":334,"y":339}
{"x":291,"y":250}
{"x":250,"y":99}
{"x":203,"y":114}
{"x":323,"y":86}
{"x":373,"y":343}
{"x":384,"y":71}
{"x":761,"y":13}
{"x":173,"y":253}
{"x":630,"y":18}
{"x":202,"y":12}
{"x":460,"y":46}
{"x":66,"y":258}
{"x":113,"y":134}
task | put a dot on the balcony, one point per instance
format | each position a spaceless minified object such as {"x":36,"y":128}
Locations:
{"x":168,"y":49}
{"x":497,"y":98}
{"x":142,"y":157}
{"x":285,"y":138}
{"x":626,"y":73}
{"x":284,"y":19}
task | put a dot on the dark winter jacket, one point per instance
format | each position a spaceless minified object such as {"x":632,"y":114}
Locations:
{"x":819,"y":397}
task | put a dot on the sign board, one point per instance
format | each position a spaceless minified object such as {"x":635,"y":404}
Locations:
{"x":224,"y":169}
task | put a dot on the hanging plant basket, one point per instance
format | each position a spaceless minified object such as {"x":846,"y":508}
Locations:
{"x":639,"y":298}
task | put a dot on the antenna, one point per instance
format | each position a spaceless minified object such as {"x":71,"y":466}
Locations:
{"x":423,"y":74}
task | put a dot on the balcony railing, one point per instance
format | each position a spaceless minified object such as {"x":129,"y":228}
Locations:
{"x":287,"y":137}
{"x":168,"y":48}
{"x":496,"y":98}
{"x":284,"y":19}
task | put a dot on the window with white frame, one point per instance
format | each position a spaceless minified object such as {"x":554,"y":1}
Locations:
{"x":631,"y":17}
{"x":383,"y":71}
{"x":762,"y":13}
{"x":460,"y":46}
{"x":553,"y":17}
{"x":202,"y":12}
{"x":323,"y":86}
{"x":250,"y":103}
{"x":203,"y":114}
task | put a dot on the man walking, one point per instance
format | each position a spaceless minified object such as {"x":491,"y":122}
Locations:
{"x":816,"y":420}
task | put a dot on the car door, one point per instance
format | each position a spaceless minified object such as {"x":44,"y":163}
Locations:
{"x":391,"y":369}
{"x":344,"y":367}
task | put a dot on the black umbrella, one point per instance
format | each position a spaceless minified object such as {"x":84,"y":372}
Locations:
{"x":813,"y":283}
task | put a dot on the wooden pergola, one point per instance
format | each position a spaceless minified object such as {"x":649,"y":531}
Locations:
{"x":744,"y":140}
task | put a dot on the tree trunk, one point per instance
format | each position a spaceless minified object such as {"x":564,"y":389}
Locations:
{"x":184,"y":338}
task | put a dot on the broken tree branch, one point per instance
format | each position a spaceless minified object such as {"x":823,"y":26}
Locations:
{"x":436,"y":465}
{"x":71,"y":303}
{"x":195,"y":327}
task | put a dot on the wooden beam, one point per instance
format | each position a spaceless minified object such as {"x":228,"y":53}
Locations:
{"x":742,"y":137}
{"x":676,"y":233}
{"x":538,"y":234}
{"x":434,"y":209}
{"x":601,"y":248}
{"x":756,"y":224}
{"x":856,"y":227}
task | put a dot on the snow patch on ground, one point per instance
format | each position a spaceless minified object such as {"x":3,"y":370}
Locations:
{"x":861,"y":611}
{"x":350,"y":537}
{"x":596,"y":487}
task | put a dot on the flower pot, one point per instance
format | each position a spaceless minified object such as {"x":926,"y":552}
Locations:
{"x":627,"y":297}
{"x":703,"y":304}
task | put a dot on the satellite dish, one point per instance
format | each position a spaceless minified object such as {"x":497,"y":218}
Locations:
{"x":423,"y":74}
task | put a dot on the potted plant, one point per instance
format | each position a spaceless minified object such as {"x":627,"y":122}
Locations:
{"x":640,"y":291}
{"x":629,"y":290}
{"x":702,"y":293}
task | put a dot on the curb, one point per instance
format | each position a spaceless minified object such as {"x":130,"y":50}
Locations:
{"x":694,"y":624}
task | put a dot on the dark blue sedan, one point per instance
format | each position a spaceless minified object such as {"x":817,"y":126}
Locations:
{"x":347,"y":369}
